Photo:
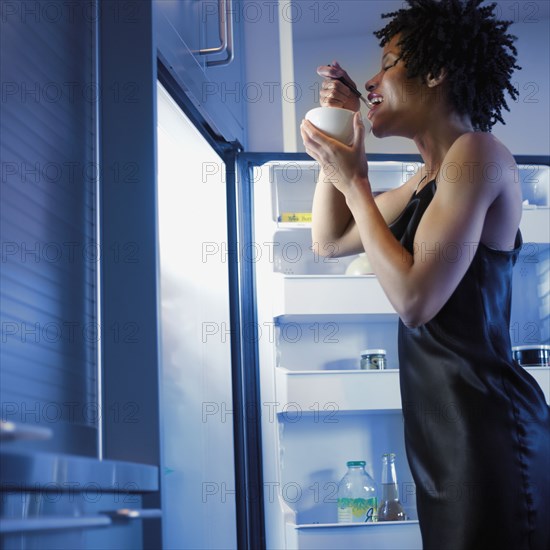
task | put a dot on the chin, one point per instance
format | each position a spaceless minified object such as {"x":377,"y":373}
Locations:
{"x":379,"y":132}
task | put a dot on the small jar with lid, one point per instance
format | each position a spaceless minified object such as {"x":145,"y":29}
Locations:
{"x":373,"y":359}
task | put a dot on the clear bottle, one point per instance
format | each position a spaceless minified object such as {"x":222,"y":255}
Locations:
{"x":357,"y":498}
{"x":390,"y":508}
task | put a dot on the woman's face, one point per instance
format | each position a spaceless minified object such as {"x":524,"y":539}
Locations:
{"x":400,"y":102}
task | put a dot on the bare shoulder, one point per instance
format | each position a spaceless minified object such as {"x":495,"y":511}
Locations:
{"x":475,"y":141}
{"x":481,"y":173}
{"x":482,"y":159}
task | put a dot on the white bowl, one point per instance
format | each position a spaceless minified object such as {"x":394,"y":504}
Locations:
{"x":336,"y":123}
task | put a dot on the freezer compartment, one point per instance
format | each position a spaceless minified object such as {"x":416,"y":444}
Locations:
{"x":398,"y":535}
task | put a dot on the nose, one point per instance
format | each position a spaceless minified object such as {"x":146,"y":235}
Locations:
{"x":371,"y":84}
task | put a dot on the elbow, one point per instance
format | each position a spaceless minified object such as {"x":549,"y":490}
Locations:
{"x":412,"y":321}
{"x":319,"y":250}
{"x":415,"y":312}
{"x":324,"y":248}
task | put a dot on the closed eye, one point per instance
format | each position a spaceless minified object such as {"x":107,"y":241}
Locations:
{"x":391,"y":65}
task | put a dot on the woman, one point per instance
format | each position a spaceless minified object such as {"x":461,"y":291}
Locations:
{"x":443,"y":245}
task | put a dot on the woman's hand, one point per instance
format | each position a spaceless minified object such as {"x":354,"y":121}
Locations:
{"x":334,"y":93}
{"x":345,"y":166}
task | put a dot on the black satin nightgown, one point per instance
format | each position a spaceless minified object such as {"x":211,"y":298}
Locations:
{"x":477,"y":426}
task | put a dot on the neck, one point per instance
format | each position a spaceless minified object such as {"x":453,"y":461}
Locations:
{"x":436,"y":138}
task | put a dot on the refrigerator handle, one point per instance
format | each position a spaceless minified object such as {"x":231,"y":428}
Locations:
{"x":17,"y":431}
{"x":225,"y":8}
{"x":135,"y":514}
{"x":60,"y":523}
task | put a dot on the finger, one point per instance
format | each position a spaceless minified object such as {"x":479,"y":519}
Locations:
{"x":332,"y":85}
{"x":333,"y":92}
{"x":309,"y":145}
{"x":334,"y":70}
{"x":358,"y":130}
{"x":305,"y":132}
{"x":321,"y":143}
{"x":312,"y":138}
{"x":308,"y":132}
{"x":330,"y":71}
{"x":313,"y":134}
{"x":329,"y":100}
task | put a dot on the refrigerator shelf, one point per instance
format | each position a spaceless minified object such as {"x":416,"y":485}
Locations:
{"x":329,"y":295}
{"x":293,"y":225}
{"x":535,"y":224}
{"x":542,"y":376}
{"x":394,"y":535}
{"x":333,"y":391}
{"x":345,"y":525}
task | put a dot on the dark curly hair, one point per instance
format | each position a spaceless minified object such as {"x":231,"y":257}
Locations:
{"x":466,"y":41}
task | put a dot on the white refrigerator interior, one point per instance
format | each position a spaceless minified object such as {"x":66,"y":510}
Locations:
{"x":197,"y":428}
{"x":319,"y":409}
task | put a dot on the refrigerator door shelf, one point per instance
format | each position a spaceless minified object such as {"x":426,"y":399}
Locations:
{"x":329,"y":294}
{"x":542,"y":376}
{"x":332,"y":392}
{"x":395,"y":535}
{"x":535,"y":225}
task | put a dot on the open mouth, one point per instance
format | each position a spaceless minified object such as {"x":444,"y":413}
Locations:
{"x":374,"y":100}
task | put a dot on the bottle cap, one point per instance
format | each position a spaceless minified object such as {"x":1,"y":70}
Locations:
{"x":355,"y":463}
{"x":373,"y":352}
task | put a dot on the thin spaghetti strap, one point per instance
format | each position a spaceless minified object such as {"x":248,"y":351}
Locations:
{"x":435,"y":177}
{"x":418,"y":184}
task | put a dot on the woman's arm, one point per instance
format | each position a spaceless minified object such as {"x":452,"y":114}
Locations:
{"x":334,"y":231}
{"x":419,"y":284}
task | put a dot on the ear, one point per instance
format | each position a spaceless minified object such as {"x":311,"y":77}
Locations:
{"x":433,"y":81}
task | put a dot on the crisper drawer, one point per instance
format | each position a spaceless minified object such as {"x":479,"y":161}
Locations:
{"x":55,"y":501}
{"x":398,"y":535}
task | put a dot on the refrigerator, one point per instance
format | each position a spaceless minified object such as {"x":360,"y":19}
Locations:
{"x":264,"y":400}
